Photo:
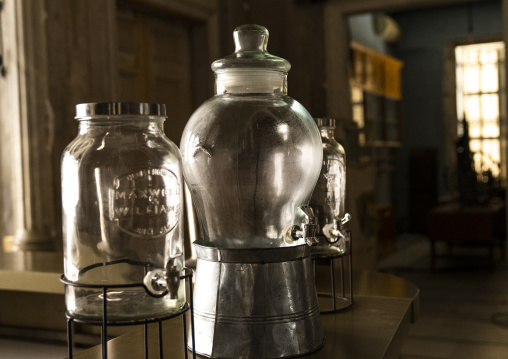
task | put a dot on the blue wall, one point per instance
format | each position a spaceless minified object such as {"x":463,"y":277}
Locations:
{"x":425,"y":36}
{"x":362,"y":31}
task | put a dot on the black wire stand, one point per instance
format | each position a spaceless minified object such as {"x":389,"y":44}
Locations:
{"x":341,"y":298}
{"x":105,"y":323}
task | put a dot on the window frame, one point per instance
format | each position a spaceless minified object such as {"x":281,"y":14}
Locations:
{"x":501,"y":94}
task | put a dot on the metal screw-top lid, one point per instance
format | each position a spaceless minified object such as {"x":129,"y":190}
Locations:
{"x":97,"y":109}
{"x":250,"y":52}
{"x":325,"y":122}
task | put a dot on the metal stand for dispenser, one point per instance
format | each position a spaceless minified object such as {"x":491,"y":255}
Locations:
{"x":105,"y":323}
{"x":256,"y":302}
{"x":341,"y":298}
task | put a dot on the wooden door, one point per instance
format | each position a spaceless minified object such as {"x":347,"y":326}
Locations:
{"x":154,"y":52}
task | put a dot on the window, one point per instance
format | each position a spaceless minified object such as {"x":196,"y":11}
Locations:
{"x":481,"y":94}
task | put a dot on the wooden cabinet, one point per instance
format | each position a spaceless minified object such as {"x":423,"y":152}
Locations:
{"x":480,"y":225}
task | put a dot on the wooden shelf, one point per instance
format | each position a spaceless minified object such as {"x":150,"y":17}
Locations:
{"x":376,"y":97}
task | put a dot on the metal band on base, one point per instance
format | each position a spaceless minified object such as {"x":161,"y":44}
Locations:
{"x":250,"y":304}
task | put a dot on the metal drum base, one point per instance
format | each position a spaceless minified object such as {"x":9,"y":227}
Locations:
{"x":255,"y":303}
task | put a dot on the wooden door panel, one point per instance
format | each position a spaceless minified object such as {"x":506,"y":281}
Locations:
{"x":154,"y":62}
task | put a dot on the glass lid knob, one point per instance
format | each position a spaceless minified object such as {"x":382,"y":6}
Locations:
{"x":251,"y":43}
{"x":250,"y":38}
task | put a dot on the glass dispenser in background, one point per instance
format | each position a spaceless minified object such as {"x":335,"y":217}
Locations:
{"x":122,"y":196}
{"x":329,"y":205}
{"x":329,"y":197}
{"x":251,"y":156}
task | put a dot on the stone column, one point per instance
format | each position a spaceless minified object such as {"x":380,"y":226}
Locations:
{"x":26,"y":122}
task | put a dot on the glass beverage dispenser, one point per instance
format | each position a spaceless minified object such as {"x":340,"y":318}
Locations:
{"x":251,"y":156}
{"x":329,"y":205}
{"x":122,"y":214}
{"x":329,"y":197}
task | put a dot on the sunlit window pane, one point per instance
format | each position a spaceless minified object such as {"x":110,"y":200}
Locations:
{"x":475,"y":145}
{"x":358,"y":116}
{"x":471,"y":79}
{"x":490,"y":107}
{"x":490,"y":129}
{"x":489,"y":157}
{"x":475,"y":128}
{"x":472,"y":108}
{"x":356,"y":94}
{"x":491,"y":149}
{"x":488,"y":56}
{"x":472,"y":113}
{"x":469,"y":56}
{"x":489,"y":78}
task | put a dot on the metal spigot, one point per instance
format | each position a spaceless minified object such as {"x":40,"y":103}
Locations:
{"x":334,"y":231}
{"x":159,"y":282}
{"x":308,"y":228}
{"x":173,"y":281}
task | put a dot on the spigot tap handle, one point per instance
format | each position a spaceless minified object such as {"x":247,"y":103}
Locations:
{"x":306,"y":230}
{"x":345,"y":219}
{"x":308,"y":214}
{"x":160,"y":282}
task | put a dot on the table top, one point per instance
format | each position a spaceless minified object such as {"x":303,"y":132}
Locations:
{"x":32,"y":272}
{"x":374,"y":327}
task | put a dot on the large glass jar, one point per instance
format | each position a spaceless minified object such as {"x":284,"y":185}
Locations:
{"x":329,"y":197}
{"x":251,"y":154}
{"x":122,"y":199}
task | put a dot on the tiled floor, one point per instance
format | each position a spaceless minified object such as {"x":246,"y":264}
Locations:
{"x":464,"y":303}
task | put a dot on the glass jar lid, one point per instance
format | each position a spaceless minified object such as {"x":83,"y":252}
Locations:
{"x":250,"y":52}
{"x":95,"y":109}
{"x":325,"y":122}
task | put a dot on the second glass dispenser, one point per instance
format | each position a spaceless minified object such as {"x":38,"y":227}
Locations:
{"x":333,"y":255}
